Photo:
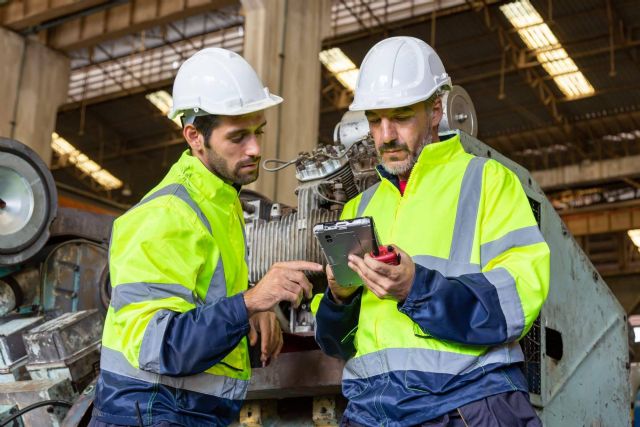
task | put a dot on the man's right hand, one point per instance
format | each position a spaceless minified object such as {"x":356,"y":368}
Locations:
{"x":285,"y":281}
{"x":340,"y":293}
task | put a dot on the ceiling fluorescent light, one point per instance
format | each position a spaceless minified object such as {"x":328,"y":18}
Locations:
{"x":71,"y":154}
{"x":163,"y":101}
{"x":340,"y":66}
{"x":538,"y":37}
{"x":574,"y":85}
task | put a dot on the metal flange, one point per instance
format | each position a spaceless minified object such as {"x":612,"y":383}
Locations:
{"x":28,"y":202}
{"x":458,"y":112}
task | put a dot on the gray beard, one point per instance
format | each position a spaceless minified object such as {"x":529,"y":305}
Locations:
{"x":410,"y":162}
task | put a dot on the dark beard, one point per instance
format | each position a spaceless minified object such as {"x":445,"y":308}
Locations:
{"x":219,"y":167}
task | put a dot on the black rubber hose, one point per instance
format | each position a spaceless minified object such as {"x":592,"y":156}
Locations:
{"x":34,"y":406}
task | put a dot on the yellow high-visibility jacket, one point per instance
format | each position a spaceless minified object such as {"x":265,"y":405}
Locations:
{"x":482,"y":275}
{"x":174,"y":337}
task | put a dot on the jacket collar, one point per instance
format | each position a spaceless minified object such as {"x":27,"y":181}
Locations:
{"x":446,"y":149}
{"x":440,"y":152}
{"x":205,"y":182}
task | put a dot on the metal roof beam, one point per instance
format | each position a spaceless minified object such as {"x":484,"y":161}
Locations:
{"x":146,"y":70}
{"x":385,"y":18}
{"x":21,"y":14}
{"x":592,"y":130}
{"x":519,"y":56}
{"x":123,"y":19}
{"x":588,"y":173}
{"x":626,"y":45}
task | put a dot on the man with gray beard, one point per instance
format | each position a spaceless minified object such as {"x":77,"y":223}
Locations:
{"x":433,"y":341}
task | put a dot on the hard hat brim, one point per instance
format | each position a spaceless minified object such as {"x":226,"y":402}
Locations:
{"x":383,"y":103}
{"x":270,"y":101}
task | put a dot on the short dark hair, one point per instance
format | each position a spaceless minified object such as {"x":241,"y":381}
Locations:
{"x":205,"y":125}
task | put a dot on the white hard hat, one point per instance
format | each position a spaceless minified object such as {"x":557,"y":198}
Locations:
{"x":219,"y":81}
{"x":397,"y":72}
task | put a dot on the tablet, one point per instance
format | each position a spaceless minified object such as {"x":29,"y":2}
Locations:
{"x":339,"y":239}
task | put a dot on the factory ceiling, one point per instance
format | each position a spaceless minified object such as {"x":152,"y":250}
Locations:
{"x":523,"y":108}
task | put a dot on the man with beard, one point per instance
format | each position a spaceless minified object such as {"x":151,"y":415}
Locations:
{"x":174,"y":347}
{"x":434,"y":340}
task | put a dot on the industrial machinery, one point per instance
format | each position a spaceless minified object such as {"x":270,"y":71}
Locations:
{"x":577,"y":365}
{"x":53,"y":292}
{"x":54,"y":284}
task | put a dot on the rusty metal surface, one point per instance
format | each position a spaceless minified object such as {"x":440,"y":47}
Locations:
{"x":258,"y":413}
{"x":12,"y":349}
{"x":324,"y":412}
{"x":80,"y":413}
{"x":63,"y":337}
{"x":17,"y":372}
{"x":73,"y":275}
{"x":304,"y":373}
{"x":82,"y":224}
{"x":80,"y":369}
{"x":24,"y":393}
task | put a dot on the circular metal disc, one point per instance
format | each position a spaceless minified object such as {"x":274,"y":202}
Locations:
{"x":459,"y":112}
{"x":28,"y":202}
{"x":17,"y":202}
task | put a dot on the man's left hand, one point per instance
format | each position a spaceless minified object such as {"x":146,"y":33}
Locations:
{"x":384,"y":280}
{"x":271,"y":341}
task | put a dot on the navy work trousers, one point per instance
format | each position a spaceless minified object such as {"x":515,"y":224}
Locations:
{"x":511,"y":409}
